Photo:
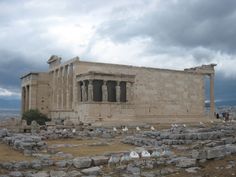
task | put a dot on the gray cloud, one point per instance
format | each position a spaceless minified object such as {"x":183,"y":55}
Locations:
{"x":186,"y":24}
{"x":13,"y":66}
{"x":149,"y":32}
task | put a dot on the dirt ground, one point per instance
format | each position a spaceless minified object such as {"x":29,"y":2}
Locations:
{"x":8,"y":154}
{"x":90,"y":147}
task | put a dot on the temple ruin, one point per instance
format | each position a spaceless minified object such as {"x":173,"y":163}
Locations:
{"x":102,"y":93}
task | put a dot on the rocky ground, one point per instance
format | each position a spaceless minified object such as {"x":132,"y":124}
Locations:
{"x":174,"y":150}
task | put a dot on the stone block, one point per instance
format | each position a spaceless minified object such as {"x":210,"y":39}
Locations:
{"x":100,"y":160}
{"x":199,"y":154}
{"x":185,"y":162}
{"x":91,"y":171}
{"x":82,"y":162}
{"x":216,"y":152}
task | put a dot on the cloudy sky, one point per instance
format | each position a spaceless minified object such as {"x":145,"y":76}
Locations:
{"x":172,"y":34}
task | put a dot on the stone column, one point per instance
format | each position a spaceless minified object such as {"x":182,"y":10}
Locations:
{"x":128,"y":94}
{"x":212,"y":98}
{"x":104,"y":91}
{"x":118,"y":91}
{"x":53,"y":89}
{"x":78,"y":92}
{"x":70,"y":85}
{"x":62,"y":88}
{"x":84,"y":94}
{"x":90,"y":90}
{"x":27,"y":98}
{"x":58,"y":88}
{"x":67,"y":88}
{"x":22,"y":100}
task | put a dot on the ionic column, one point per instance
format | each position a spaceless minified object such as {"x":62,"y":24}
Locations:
{"x":212,"y":98}
{"x":104,"y":91}
{"x":90,"y":90}
{"x":84,"y":94}
{"x":118,"y":91}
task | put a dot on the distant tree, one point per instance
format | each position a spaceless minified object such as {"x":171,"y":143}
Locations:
{"x":34,"y":114}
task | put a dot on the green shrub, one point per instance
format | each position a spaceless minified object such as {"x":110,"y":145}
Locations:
{"x":34,"y":114}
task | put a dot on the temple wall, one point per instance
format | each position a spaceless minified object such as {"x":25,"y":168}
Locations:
{"x":153,"y":95}
{"x":157,"y":93}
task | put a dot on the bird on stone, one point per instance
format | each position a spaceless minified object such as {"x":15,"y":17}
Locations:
{"x":184,"y":125}
{"x":138,"y":129}
{"x":152,"y":128}
{"x":74,"y":130}
{"x":114,"y":129}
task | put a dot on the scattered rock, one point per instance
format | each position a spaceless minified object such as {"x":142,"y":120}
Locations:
{"x":91,"y":171}
{"x":100,"y":160}
{"x":58,"y":174}
{"x":82,"y":162}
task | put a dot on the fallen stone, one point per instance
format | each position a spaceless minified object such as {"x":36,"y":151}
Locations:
{"x":82,"y":162}
{"x":74,"y":173}
{"x":36,"y":164}
{"x":199,"y":154}
{"x":184,"y":162}
{"x":216,"y":152}
{"x":192,"y":169}
{"x":91,"y":171}
{"x":40,"y":174}
{"x":100,"y":160}
{"x":15,"y":174}
{"x":114,"y":160}
{"x":58,"y":174}
{"x":133,"y":169}
{"x":166,"y":171}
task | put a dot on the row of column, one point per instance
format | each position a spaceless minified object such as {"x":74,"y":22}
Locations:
{"x":62,"y":87}
{"x":87,"y":93}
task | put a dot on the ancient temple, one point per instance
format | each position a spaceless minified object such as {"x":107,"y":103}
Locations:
{"x":110,"y":93}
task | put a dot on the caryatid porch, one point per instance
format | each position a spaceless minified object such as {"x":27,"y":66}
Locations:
{"x":99,"y":87}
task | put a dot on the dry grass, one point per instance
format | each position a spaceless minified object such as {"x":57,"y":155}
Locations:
{"x":89,"y":147}
{"x":7,"y":154}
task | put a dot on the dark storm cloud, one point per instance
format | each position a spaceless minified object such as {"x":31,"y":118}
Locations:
{"x":184,"y":23}
{"x":13,"y":66}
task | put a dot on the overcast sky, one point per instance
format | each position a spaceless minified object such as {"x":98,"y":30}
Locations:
{"x":173,"y":34}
